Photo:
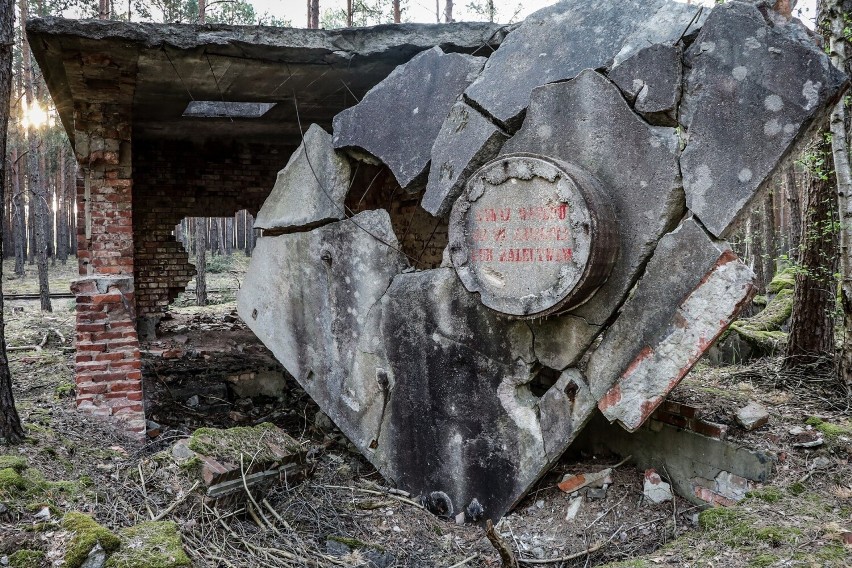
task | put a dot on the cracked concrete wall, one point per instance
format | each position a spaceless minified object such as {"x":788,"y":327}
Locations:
{"x":450,"y":394}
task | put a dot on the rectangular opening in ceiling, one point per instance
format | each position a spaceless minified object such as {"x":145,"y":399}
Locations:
{"x":226,"y":109}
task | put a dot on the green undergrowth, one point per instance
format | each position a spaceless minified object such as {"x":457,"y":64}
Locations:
{"x":86,"y":533}
{"x":154,"y":544}
{"x":25,"y":488}
{"x":772,"y":526}
{"x":831,"y":431}
{"x":26,"y":559}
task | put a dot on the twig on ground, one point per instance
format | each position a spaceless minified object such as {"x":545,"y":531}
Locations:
{"x":506,"y":554}
{"x":465,"y":561}
{"x":590,"y":550}
{"x":177,"y":502}
{"x":144,"y":490}
{"x":382,"y":493}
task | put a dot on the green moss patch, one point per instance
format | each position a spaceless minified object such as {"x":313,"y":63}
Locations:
{"x":18,"y":463}
{"x":86,"y":534}
{"x":26,"y":559}
{"x":154,"y":544}
{"x":258,"y":443}
{"x":768,"y":494}
{"x":831,"y":431}
{"x":12,"y":484}
{"x":784,"y":280}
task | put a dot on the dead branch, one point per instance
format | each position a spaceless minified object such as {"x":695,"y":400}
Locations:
{"x":506,"y":554}
{"x":590,"y":550}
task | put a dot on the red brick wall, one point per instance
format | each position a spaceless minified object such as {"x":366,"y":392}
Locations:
{"x":107,"y":364}
{"x":173,"y":180}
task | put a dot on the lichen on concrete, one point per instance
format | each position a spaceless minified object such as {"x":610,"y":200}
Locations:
{"x":255,"y":443}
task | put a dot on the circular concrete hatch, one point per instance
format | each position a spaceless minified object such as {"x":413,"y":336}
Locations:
{"x":532,"y":235}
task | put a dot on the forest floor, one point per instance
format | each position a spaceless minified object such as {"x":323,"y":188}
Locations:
{"x":70,"y":462}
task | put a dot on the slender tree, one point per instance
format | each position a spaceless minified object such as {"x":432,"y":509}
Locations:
{"x":10,"y":423}
{"x":838,"y":13}
{"x":201,"y":261}
{"x":397,"y":12}
{"x":448,"y":11}
{"x":348,"y":13}
{"x":791,"y":187}
{"x":37,"y":191}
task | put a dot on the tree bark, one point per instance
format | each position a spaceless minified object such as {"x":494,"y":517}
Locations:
{"x":19,"y":223}
{"x":62,"y":207}
{"x":229,"y":235}
{"x":348,"y":13}
{"x":811,"y":339}
{"x":202,"y":9}
{"x":201,"y":261}
{"x":10,"y":422}
{"x":313,"y":14}
{"x":36,"y":185}
{"x":103,"y":10}
{"x":756,"y":252}
{"x":770,"y":249}
{"x":792,"y":188}
{"x":838,"y":13}
{"x":397,"y":12}
{"x":448,"y":11}
{"x":249,"y":234}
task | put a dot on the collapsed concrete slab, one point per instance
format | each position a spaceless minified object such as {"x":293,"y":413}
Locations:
{"x":755,"y":88}
{"x":466,"y":141}
{"x":651,"y":80}
{"x":691,"y":291}
{"x":398,"y":120}
{"x":566,"y":38}
{"x":587,"y":122}
{"x":310,"y":189}
{"x":308,"y":295}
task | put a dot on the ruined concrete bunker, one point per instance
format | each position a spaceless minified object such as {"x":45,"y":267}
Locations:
{"x":482,"y":235}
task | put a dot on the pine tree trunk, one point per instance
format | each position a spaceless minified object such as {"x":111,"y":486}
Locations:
{"x":397,"y":12}
{"x":250,"y":235}
{"x":18,"y":219}
{"x":348,"y":13}
{"x":448,"y":11}
{"x":838,"y":14}
{"x":72,"y":202}
{"x":792,"y":187}
{"x":214,"y":236}
{"x":201,"y":261}
{"x":756,"y":248}
{"x":770,"y":251}
{"x":11,"y":430}
{"x":62,"y":208}
{"x":315,"y":14}
{"x":36,"y":185}
{"x":8,"y":239}
{"x":229,"y":236}
{"x":811,"y":339}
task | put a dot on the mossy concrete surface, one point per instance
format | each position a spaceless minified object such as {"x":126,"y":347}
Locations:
{"x":86,"y":533}
{"x":263,"y":443}
{"x":154,"y":544}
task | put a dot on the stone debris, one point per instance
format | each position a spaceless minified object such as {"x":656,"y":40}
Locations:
{"x":655,"y":489}
{"x":753,"y":90}
{"x":752,"y":416}
{"x":467,"y":140}
{"x":218,"y":457}
{"x":651,"y":81}
{"x":310,"y":189}
{"x":571,"y":483}
{"x":399,"y":119}
{"x":574,"y":508}
{"x":566,"y":38}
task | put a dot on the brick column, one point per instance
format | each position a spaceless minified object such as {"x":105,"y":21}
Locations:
{"x":108,"y":364}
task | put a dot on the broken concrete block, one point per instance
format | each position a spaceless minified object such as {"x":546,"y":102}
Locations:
{"x":692,"y":289}
{"x":752,"y":416}
{"x":754,"y":88}
{"x":561,"y":340}
{"x":651,"y":80}
{"x":465,"y":371}
{"x":267,"y":453}
{"x":563,"y":410}
{"x":308,"y":297}
{"x":586,"y":122}
{"x":656,"y":490}
{"x":399,"y":119}
{"x":598,"y":479}
{"x":558,"y":42}
{"x":466,"y":141}
{"x":310,"y":189}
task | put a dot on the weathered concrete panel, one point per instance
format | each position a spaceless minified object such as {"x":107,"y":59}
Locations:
{"x":466,"y":141}
{"x":754,"y":88}
{"x":692,"y":289}
{"x":556,"y":43}
{"x":651,"y":80}
{"x":587,"y":122}
{"x":399,"y":119}
{"x":308,"y":297}
{"x":311,"y":188}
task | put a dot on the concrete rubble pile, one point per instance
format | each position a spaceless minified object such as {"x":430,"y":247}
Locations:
{"x":589,"y":171}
